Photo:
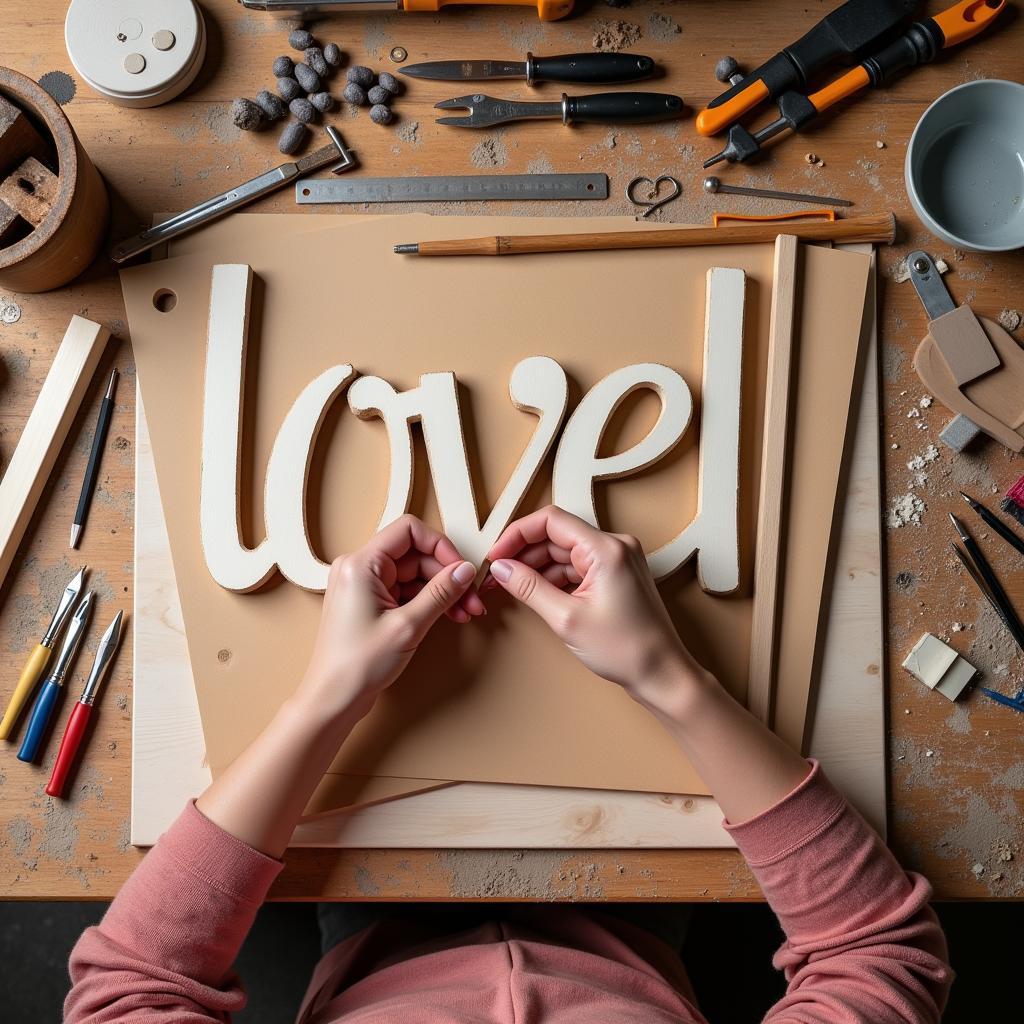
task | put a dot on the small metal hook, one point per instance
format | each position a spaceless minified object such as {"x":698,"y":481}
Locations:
{"x":653,"y":202}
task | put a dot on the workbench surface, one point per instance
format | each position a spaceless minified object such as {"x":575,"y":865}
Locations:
{"x":956,"y":772}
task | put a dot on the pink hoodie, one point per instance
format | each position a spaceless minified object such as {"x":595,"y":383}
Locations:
{"x":862,"y":946}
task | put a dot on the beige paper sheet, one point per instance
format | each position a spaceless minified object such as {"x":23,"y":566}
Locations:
{"x":519,"y":720}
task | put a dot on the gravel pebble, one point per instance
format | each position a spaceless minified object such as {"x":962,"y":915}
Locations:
{"x":271,"y":105}
{"x":332,"y":54}
{"x":300,"y":39}
{"x":361,"y":75}
{"x":323,"y":101}
{"x":355,"y":93}
{"x":302,"y":110}
{"x":378,"y":94}
{"x":315,"y":59}
{"x":292,"y":138}
{"x":283,"y":66}
{"x":288,"y":88}
{"x":246,"y":115}
{"x":386,"y":80}
{"x":307,"y":78}
{"x":379,"y":114}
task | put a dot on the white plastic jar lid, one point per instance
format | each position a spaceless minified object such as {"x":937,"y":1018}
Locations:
{"x":138,"y":53}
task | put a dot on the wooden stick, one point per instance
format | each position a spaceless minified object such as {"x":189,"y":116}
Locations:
{"x":774,"y":453}
{"x":876,"y":228}
{"x":47,"y":427}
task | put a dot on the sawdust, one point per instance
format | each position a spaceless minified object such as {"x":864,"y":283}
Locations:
{"x":16,"y":362}
{"x":525,"y":34}
{"x":185,"y":132}
{"x":992,"y":649}
{"x":499,"y":874}
{"x":60,"y":830}
{"x":20,"y":832}
{"x":981,"y":835}
{"x":60,"y":85}
{"x":121,"y":700}
{"x":218,"y":121}
{"x":906,"y":511}
{"x":662,"y":27}
{"x":959,"y":720}
{"x":364,"y":881}
{"x":489,"y":152}
{"x":409,"y":133}
{"x":612,"y":36}
{"x":918,"y":462}
{"x":610,"y":140}
{"x":540,"y":164}
{"x":906,"y":581}
{"x":377,"y":34}
{"x":1010,"y":319}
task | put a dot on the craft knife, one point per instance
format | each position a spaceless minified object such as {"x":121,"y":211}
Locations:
{"x":248,"y":192}
{"x":452,"y":188}
{"x":713,"y":184}
{"x":597,"y":108}
{"x":39,"y":658}
{"x":74,"y":731}
{"x":578,"y":68}
{"x":46,"y":701}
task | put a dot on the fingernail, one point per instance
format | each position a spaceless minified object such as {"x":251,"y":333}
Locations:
{"x":501,"y":570}
{"x":464,"y":573}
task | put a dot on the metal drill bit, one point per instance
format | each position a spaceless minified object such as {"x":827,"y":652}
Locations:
{"x":713,"y":184}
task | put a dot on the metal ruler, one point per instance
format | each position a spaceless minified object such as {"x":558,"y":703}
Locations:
{"x":452,"y":188}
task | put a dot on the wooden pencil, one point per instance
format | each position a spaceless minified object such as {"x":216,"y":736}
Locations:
{"x":875,"y":228}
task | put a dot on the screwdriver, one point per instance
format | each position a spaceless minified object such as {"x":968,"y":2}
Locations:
{"x":46,"y":702}
{"x":40,"y":657}
{"x":74,"y":731}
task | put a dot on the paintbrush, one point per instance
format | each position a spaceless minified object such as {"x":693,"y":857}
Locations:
{"x":997,"y":594}
{"x":1001,"y":528}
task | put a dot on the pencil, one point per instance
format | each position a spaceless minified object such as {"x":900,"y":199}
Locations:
{"x":92,"y":471}
{"x":1009,"y":616}
{"x":874,"y":228}
{"x":995,"y":522}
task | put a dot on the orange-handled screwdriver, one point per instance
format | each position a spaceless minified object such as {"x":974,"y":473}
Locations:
{"x":547,"y":10}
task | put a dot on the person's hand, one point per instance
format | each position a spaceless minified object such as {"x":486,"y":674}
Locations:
{"x":596,"y":592}
{"x":381,"y":601}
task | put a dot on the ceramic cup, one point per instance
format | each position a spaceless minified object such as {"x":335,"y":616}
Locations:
{"x":965,"y":166}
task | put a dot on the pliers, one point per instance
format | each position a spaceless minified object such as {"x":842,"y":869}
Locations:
{"x":919,"y":44}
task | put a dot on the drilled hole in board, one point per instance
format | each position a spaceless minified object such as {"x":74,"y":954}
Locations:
{"x":305,"y":191}
{"x":165,"y":300}
{"x":26,"y":186}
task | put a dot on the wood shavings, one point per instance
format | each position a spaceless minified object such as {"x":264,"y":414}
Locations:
{"x":1010,"y":319}
{"x":930,"y":454}
{"x":926,"y":402}
{"x":906,"y":511}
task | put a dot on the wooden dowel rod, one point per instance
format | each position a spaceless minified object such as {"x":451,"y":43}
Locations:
{"x":875,"y":228}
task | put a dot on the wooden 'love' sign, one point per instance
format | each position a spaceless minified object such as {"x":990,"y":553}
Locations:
{"x":538,"y":386}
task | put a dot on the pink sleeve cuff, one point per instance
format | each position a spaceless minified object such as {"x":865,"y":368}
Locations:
{"x":794,"y":821}
{"x":219,"y":858}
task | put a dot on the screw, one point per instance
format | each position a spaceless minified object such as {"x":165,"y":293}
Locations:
{"x":398,"y":54}
{"x":711,"y":183}
{"x":921,"y":265}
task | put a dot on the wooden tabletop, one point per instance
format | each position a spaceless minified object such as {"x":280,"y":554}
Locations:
{"x":956,"y":771}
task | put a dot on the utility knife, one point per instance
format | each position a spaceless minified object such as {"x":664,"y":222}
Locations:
{"x":574,"y":68}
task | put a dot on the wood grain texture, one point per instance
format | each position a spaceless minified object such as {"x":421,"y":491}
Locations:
{"x":46,"y":431}
{"x":949,"y":811}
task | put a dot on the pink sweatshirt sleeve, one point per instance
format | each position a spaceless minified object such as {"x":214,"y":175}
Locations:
{"x":164,"y":949}
{"x":862,"y":944}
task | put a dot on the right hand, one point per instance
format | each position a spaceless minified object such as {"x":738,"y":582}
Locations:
{"x":612,"y":617}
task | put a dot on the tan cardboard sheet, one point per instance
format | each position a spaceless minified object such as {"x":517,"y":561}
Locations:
{"x":502,"y":703}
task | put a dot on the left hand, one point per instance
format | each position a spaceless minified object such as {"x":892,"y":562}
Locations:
{"x":381,"y":601}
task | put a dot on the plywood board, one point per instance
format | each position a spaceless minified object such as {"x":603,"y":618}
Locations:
{"x":847,"y":734}
{"x":569,"y":709}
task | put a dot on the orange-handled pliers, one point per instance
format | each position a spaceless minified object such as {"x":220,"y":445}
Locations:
{"x":918,"y":45}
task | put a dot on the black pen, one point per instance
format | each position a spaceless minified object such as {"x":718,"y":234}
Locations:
{"x":92,"y":471}
{"x":1010,"y":618}
{"x":993,"y":520}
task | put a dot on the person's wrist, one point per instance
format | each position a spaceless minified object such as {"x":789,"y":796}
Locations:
{"x":329,"y":703}
{"x":670,"y":691}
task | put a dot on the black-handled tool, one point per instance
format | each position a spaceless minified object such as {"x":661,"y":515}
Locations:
{"x":568,"y":68}
{"x":840,"y":37}
{"x":598,"y":108}
{"x":92,"y":471}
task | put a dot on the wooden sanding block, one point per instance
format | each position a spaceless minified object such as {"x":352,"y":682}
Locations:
{"x":971,"y":364}
{"x":30,"y":190}
{"x":939,"y":667}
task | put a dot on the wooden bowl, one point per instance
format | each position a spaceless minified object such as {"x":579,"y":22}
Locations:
{"x":67,"y":240}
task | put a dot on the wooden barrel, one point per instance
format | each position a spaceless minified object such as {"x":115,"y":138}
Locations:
{"x":68,"y":238}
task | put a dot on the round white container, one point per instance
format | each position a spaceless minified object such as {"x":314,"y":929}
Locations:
{"x":138,"y":53}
